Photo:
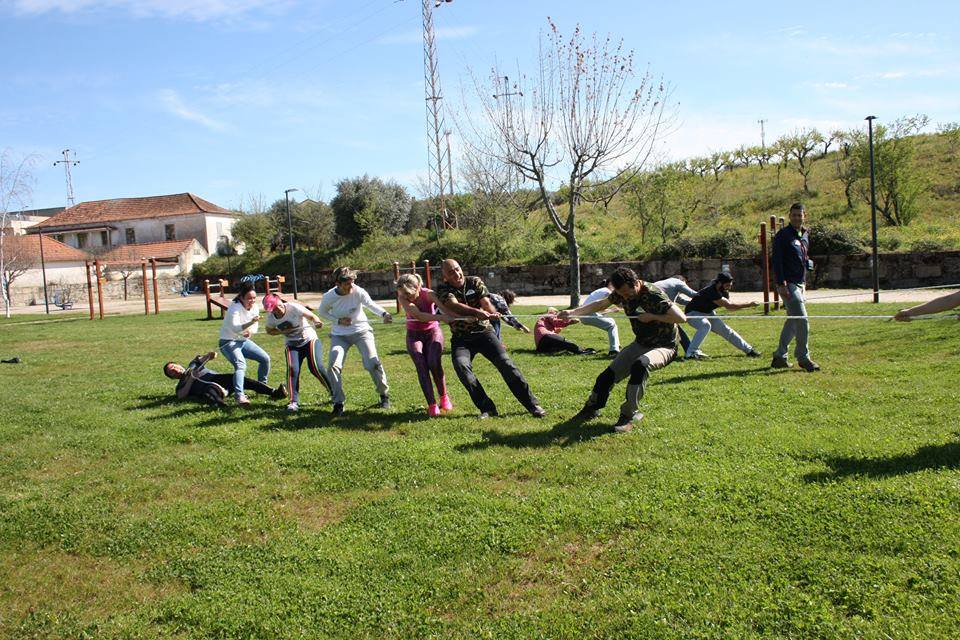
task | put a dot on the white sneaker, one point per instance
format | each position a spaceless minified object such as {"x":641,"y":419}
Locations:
{"x":243,"y":400}
{"x":293,"y":407}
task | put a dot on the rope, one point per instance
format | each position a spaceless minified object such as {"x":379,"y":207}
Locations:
{"x":870,"y":292}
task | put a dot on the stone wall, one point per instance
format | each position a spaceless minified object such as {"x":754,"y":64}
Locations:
{"x":897,"y":271}
{"x":33,"y":295}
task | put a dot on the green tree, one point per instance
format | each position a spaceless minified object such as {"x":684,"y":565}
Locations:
{"x":364,"y":206}
{"x":800,"y":146}
{"x":900,"y":184}
{"x":257,"y":232}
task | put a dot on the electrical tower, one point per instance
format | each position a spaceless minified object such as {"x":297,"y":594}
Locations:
{"x":67,"y":163}
{"x":438,"y":154}
{"x":763,"y":135}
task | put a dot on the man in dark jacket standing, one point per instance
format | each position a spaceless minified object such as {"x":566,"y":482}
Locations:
{"x":791,"y":261}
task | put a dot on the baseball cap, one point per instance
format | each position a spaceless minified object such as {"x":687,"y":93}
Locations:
{"x":270,"y":302}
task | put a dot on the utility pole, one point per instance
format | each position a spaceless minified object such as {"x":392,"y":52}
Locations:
{"x":763,"y":134}
{"x":67,"y":163}
{"x":873,"y":215}
{"x":436,"y":127}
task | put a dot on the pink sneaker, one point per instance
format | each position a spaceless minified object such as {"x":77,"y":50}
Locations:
{"x":445,"y":403}
{"x":433,"y":411}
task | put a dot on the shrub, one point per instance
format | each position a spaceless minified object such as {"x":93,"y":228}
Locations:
{"x":928,"y":246}
{"x":730,"y":243}
{"x":825,"y":240}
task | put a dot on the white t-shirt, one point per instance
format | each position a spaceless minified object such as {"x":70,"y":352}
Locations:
{"x":293,"y":317}
{"x":235,"y":317}
{"x":598,"y":294}
{"x":334,"y":306}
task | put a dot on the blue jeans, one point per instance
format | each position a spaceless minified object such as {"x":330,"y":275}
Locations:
{"x":237,"y":352}
{"x":798,"y":328}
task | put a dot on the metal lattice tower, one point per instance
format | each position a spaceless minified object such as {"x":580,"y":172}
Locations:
{"x":67,"y":163}
{"x":440,"y":169}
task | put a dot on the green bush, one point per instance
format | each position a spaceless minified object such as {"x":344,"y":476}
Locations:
{"x":827,"y":240}
{"x":928,"y":246}
{"x":730,"y":243}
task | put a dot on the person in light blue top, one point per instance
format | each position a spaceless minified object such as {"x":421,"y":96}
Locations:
{"x":601,"y":321}
{"x":673,"y":287}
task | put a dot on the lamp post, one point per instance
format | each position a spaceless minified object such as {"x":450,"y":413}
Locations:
{"x":873,"y":214}
{"x":43,"y":270}
{"x":293,"y":261}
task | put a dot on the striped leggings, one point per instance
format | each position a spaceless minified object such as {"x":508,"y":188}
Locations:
{"x":311,"y":352}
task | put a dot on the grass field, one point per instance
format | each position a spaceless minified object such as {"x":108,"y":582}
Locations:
{"x":750,"y":504}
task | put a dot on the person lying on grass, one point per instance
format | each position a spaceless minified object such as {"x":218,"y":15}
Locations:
{"x":196,"y":381}
{"x":547,"y":338}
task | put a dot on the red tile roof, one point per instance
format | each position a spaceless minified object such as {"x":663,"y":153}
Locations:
{"x":101,"y":211}
{"x":134,"y":252}
{"x":53,"y":251}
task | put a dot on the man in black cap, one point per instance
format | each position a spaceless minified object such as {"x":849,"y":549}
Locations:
{"x":702,"y":317}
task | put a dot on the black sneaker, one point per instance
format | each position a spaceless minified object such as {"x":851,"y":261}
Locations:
{"x":780,"y":363}
{"x":384,"y":402}
{"x":587,"y":352}
{"x":337,"y":410}
{"x":538,"y":411}
{"x":809,"y":366}
{"x":588,"y":412}
{"x":613,"y":353}
{"x":279,"y":393}
{"x":753,"y":353}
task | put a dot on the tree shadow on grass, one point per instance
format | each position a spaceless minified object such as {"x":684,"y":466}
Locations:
{"x":563,"y":434}
{"x":940,"y":456}
{"x":191,"y":406}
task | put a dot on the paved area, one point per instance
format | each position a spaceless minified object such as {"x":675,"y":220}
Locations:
{"x":196,"y":302}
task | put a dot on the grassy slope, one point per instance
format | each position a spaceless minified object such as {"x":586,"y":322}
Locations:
{"x":750,"y":504}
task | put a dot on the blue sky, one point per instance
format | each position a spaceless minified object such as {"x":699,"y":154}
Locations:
{"x":239,"y":99}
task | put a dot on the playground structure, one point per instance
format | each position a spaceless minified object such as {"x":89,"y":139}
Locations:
{"x":270,"y":284}
{"x":766,"y":241}
{"x":97,"y":267}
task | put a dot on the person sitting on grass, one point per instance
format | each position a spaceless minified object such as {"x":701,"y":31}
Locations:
{"x":298,"y":326}
{"x":943,"y":303}
{"x":547,"y":338}
{"x":702,"y":317}
{"x":196,"y":381}
{"x":501,"y":303}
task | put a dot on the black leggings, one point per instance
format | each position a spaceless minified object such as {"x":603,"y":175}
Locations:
{"x":553,"y":343}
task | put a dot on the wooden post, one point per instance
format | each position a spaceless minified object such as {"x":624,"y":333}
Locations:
{"x":280,"y":281}
{"x":413,"y":266}
{"x":764,"y":256}
{"x":156,"y":293}
{"x":773,"y":233}
{"x":96,"y":266}
{"x":396,"y":276}
{"x":223,"y":287}
{"x":206,"y":293}
{"x":146,"y":294}
{"x":86,"y":265}
{"x":426,"y":272}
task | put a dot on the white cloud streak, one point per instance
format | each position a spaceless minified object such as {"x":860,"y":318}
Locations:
{"x":196,"y":10}
{"x":173,"y":104}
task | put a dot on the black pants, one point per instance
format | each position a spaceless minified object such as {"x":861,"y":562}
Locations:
{"x":553,"y":343}
{"x":488,"y":345}
{"x":225,"y":380}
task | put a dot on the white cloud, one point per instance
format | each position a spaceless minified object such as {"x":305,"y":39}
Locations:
{"x":198,"y":10}
{"x":172,"y":103}
{"x":442,"y":33}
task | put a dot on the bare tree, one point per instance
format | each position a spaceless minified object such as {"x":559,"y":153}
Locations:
{"x":16,"y":182}
{"x":584,"y":121}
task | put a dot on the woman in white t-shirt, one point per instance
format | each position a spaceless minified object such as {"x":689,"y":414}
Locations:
{"x":297,"y":325}
{"x":241,"y":321}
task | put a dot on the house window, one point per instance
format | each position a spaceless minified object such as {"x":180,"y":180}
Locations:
{"x":81,"y":240}
{"x":58,"y":237}
{"x":105,"y":238}
{"x":219,"y":229}
{"x":169,"y":232}
{"x":131,"y":236}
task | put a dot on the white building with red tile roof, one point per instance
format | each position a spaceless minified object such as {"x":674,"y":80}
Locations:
{"x":174,"y":258}
{"x":101,"y":225}
{"x":63,"y":263}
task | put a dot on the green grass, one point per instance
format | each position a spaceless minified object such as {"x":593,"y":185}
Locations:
{"x":750,"y":504}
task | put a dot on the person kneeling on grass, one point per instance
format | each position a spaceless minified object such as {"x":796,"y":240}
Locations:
{"x":425,"y":340}
{"x":701,"y":316}
{"x":546,"y":335}
{"x":196,"y":381}
{"x":296,"y":323}
{"x":654,"y":321}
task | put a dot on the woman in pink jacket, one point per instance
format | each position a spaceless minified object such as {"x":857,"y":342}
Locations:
{"x":546,"y":335}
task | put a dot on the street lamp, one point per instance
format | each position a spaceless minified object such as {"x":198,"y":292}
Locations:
{"x":293,"y":262}
{"x":873,"y":214}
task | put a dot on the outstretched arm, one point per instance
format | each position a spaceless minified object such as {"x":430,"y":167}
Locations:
{"x":943,"y":303}
{"x":587,"y":309}
{"x":726,"y":304}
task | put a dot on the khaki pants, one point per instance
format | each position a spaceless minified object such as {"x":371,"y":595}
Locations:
{"x":637,"y":362}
